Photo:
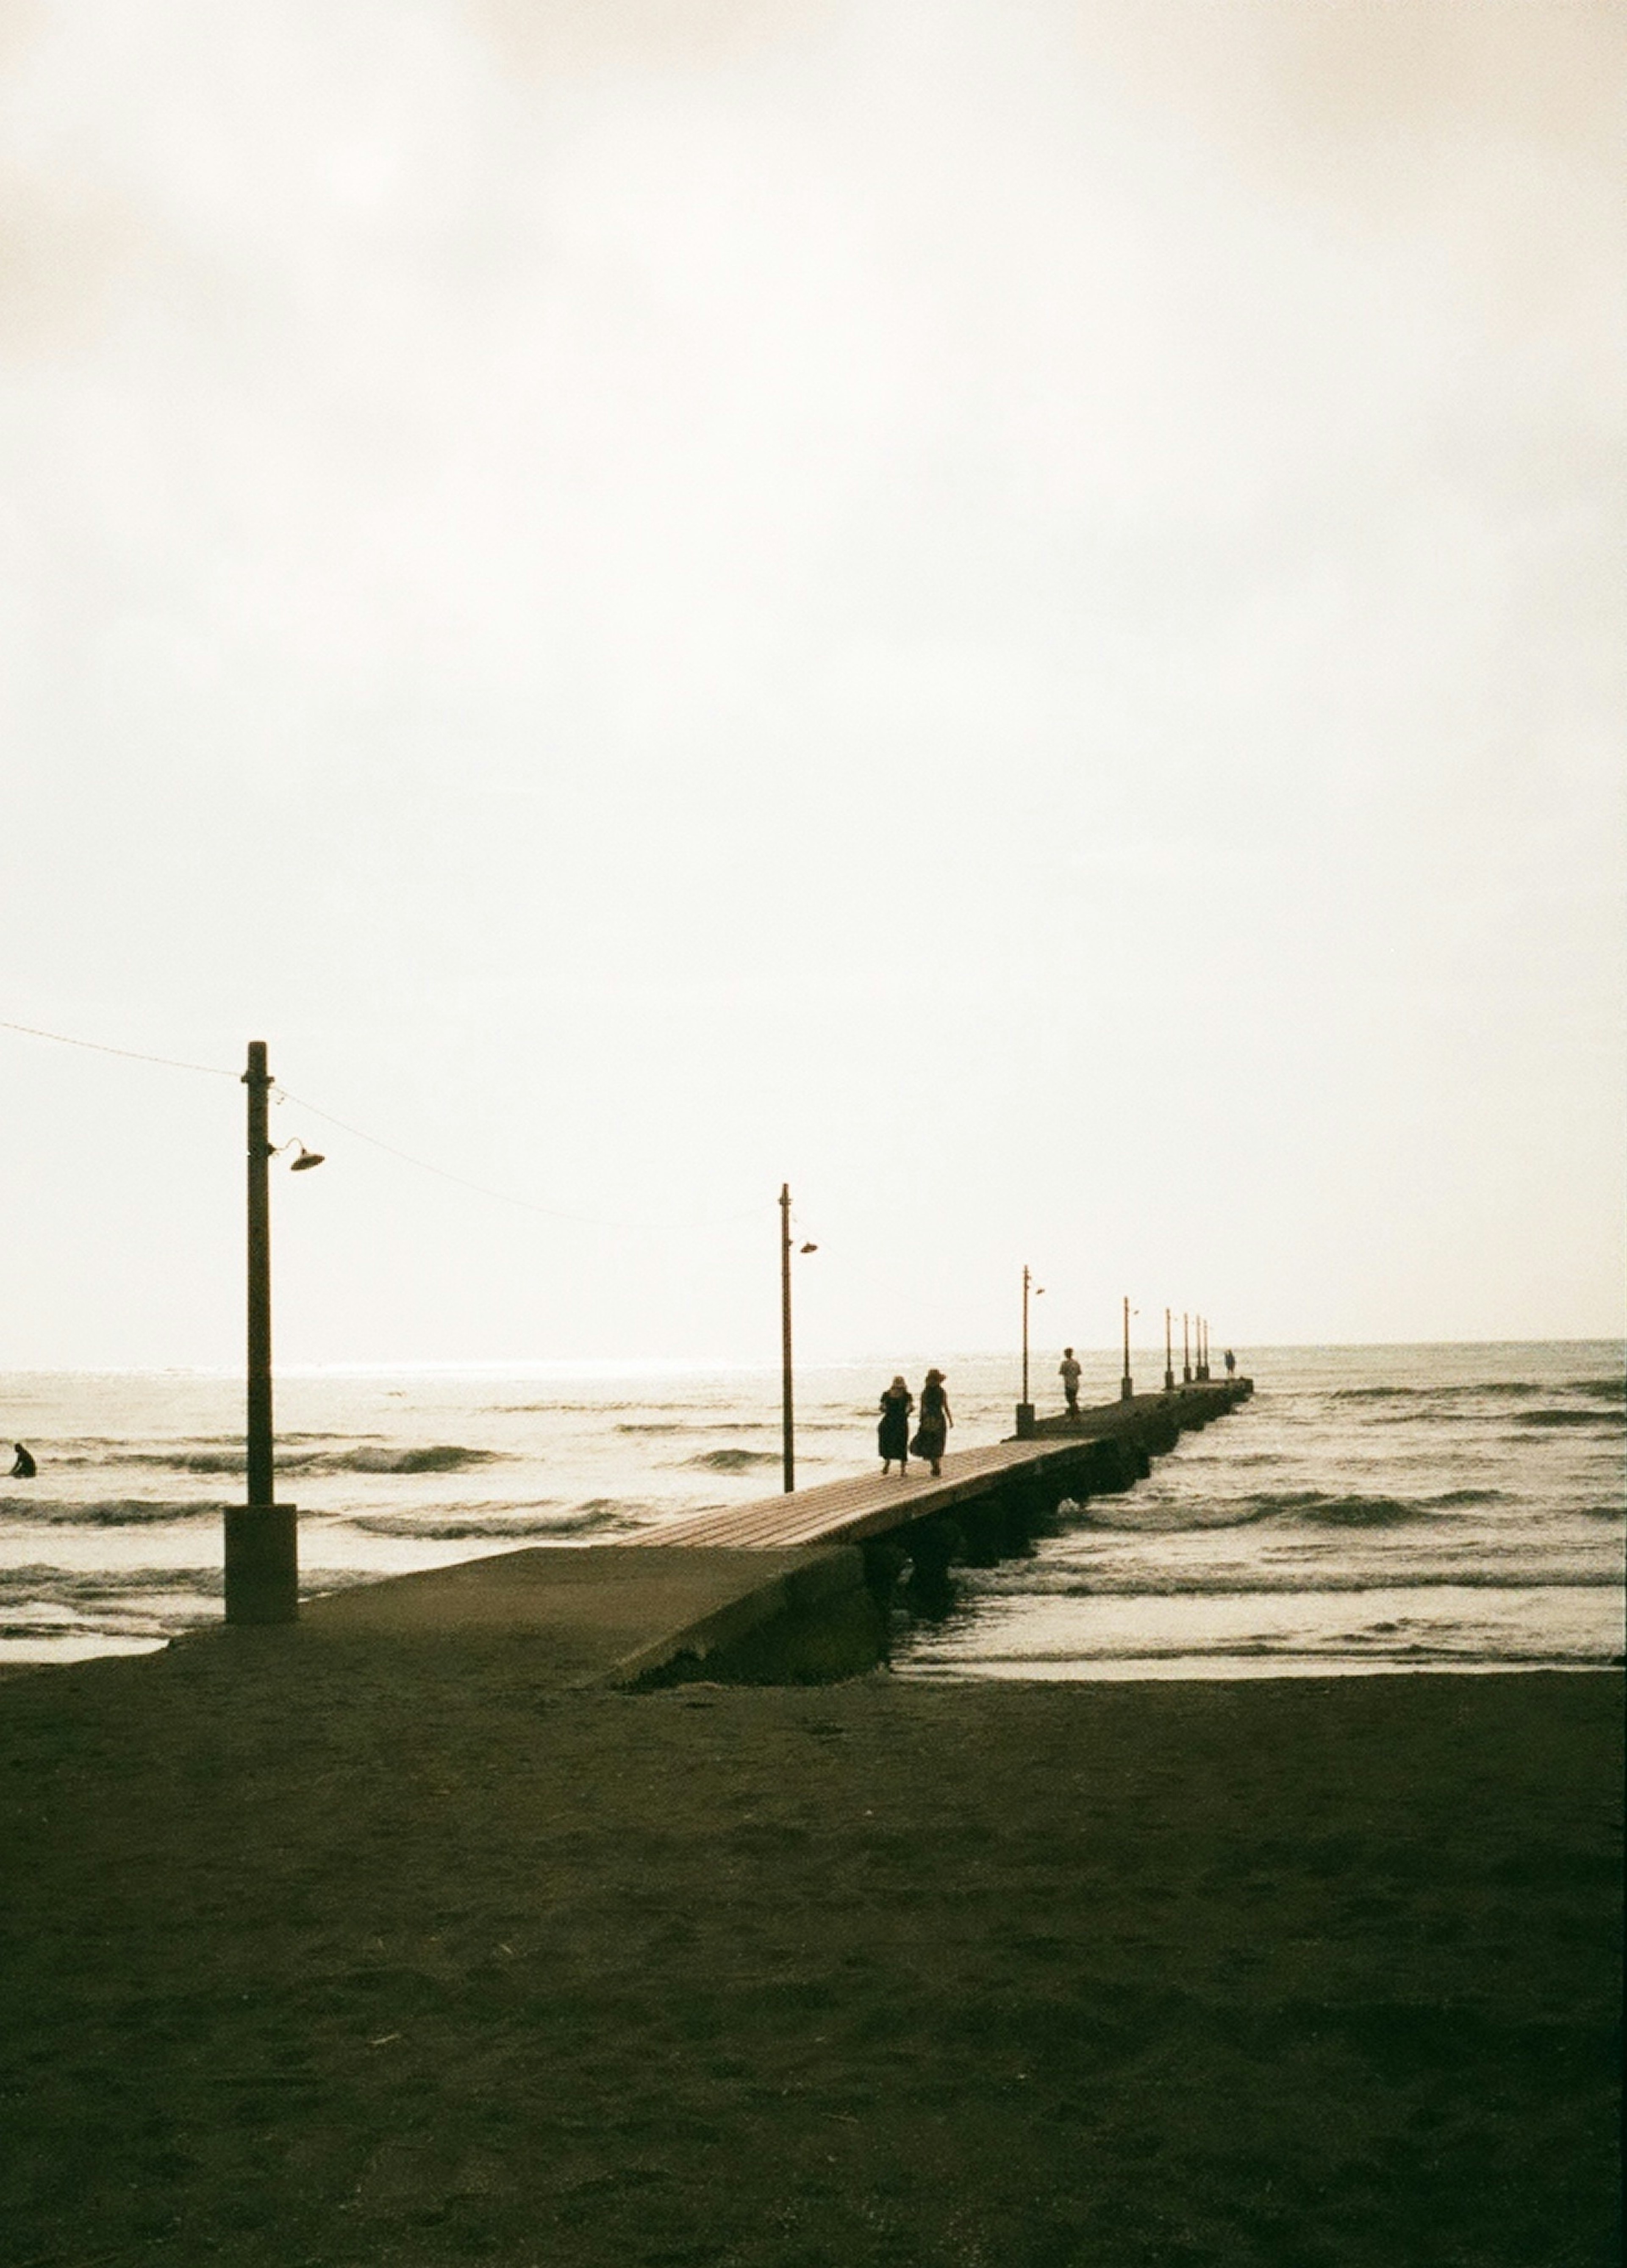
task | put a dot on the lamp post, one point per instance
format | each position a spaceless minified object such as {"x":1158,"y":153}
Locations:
{"x":1125,"y":1387}
{"x":1169,"y":1359}
{"x":1186,"y":1351}
{"x":1202,"y":1350}
{"x":1025,"y":1408}
{"x":788,"y":1422}
{"x":261,"y":1544}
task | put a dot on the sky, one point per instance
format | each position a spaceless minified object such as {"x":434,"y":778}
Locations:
{"x":1007,"y":610}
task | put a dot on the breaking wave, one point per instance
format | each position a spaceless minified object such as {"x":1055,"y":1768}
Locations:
{"x":361,"y":1457}
{"x":146,"y":1602}
{"x":1479,"y":1391}
{"x":228,"y":1457}
{"x":1604,"y":1420}
{"x":1138,"y":1515}
{"x":541,"y":1520}
{"x":117,"y":1512}
{"x":713,"y":1425}
{"x":71,"y":1585}
{"x":1272,"y":1583}
{"x":1346,"y":1511}
{"x":734,"y":1461}
{"x":443,"y":1457}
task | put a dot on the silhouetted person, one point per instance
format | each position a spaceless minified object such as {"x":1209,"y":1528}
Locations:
{"x":936,"y":1419}
{"x":24,"y":1468}
{"x":893,"y":1433}
{"x":1068,"y":1371}
{"x":1231,"y":1362}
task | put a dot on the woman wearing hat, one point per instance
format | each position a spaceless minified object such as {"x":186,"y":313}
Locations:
{"x":936,"y":1419}
{"x":893,"y":1433}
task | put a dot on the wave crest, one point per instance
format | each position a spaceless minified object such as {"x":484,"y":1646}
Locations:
{"x":115,"y":1511}
{"x":1601,"y":1420}
{"x":360,"y":1457}
{"x":441,"y":1457}
{"x":542,"y":1523}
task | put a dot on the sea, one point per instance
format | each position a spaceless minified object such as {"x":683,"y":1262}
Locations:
{"x":1372,"y":1508}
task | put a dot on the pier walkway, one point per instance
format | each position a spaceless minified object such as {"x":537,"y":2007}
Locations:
{"x":789,"y":1588}
{"x":853,"y":1510}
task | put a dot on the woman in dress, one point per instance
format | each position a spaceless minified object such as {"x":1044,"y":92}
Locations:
{"x":893,"y":1433}
{"x":936,"y":1419}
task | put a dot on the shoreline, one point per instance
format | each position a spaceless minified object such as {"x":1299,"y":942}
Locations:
{"x":1242,"y":1669}
{"x":336,"y":1951}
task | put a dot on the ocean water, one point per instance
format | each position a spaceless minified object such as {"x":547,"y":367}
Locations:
{"x":1372,"y":1508}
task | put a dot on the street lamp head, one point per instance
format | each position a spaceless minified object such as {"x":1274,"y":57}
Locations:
{"x":307,"y":1159}
{"x":810,"y":1247}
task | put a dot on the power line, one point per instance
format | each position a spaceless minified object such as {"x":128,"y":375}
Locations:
{"x":481,"y":1188}
{"x":130,"y":1055}
{"x":506,"y":1196}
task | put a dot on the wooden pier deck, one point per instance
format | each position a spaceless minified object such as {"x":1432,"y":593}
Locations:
{"x":855,"y":1510}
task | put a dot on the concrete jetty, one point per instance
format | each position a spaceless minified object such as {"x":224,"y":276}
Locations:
{"x":792,"y":1588}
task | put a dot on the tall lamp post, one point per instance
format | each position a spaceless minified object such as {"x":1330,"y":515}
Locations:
{"x":1186,"y":1351}
{"x":788,"y":1422}
{"x":1169,"y":1358}
{"x":1126,"y":1389}
{"x":1025,"y":1408}
{"x":262,"y":1547}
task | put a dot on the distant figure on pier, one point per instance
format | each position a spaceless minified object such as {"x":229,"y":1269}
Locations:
{"x":23,"y":1468}
{"x":893,"y":1433}
{"x":1068,"y":1371}
{"x":936,"y":1419}
{"x":1231,"y":1362}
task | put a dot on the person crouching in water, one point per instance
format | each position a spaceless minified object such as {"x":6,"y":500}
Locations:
{"x":893,"y":1433}
{"x":936,"y":1419}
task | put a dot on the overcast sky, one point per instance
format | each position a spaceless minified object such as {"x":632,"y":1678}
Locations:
{"x":1008,"y":608}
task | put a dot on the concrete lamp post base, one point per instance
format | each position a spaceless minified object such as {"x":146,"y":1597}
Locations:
{"x":263,"y":1563}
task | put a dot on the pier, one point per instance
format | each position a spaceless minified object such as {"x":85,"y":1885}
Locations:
{"x":792,"y":1588}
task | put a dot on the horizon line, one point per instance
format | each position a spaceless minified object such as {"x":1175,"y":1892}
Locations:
{"x":716,"y":1365}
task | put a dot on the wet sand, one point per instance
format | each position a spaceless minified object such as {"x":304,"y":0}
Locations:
{"x":350,"y":1952}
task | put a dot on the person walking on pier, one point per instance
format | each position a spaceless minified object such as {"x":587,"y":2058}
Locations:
{"x":936,"y":1419}
{"x":1068,"y":1371}
{"x":1231,"y":1364}
{"x":893,"y":1433}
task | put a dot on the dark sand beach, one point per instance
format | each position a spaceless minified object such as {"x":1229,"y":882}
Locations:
{"x":333,"y":1952}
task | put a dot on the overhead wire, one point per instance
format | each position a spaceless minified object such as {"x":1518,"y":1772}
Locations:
{"x":506,"y":1196}
{"x":423,"y":1165}
{"x":130,"y":1055}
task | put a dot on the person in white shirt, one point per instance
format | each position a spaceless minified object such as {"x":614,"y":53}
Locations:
{"x":1068,"y":1371}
